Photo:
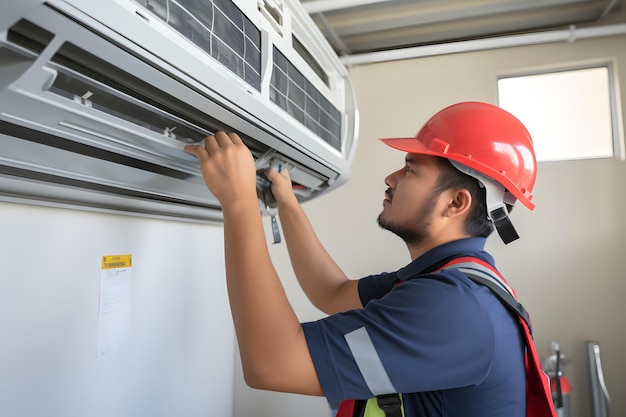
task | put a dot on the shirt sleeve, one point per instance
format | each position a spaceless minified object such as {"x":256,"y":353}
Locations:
{"x":375,"y":286}
{"x":425,"y":334}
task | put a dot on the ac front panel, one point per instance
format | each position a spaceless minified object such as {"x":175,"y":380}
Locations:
{"x":104,"y":107}
{"x":153,"y":39}
{"x":219,"y":105}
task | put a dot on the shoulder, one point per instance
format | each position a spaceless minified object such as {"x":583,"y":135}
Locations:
{"x":447,"y":292}
{"x":375,"y":286}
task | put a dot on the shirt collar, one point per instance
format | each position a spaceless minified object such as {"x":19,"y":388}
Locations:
{"x":434,"y":258}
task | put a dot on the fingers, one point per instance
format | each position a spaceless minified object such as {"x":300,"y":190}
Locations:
{"x":212,"y":143}
{"x":220,"y":140}
{"x":235,"y":138}
{"x":282,"y":187}
{"x":227,"y":167}
{"x":273,"y":175}
{"x":197,"y":150}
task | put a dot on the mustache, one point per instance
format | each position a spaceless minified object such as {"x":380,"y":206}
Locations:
{"x":389,"y":193}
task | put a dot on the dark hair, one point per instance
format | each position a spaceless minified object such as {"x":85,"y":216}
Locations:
{"x":477,"y":223}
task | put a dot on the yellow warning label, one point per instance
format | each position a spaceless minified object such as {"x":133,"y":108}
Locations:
{"x":117,"y":261}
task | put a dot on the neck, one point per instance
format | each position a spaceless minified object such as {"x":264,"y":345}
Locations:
{"x":418,"y":249}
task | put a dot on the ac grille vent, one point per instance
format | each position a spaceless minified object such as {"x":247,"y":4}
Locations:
{"x":308,"y":57}
{"x":290,"y":90}
{"x":71,"y":88}
{"x":155,"y":110}
{"x":217,"y":27}
{"x":29,"y":36}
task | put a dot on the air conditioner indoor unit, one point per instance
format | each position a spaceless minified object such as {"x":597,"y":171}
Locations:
{"x":98,"y":98}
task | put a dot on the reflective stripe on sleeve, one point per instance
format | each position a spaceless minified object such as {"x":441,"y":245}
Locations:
{"x":369,"y":362}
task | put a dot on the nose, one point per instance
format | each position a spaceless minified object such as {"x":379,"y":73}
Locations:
{"x":391,"y":179}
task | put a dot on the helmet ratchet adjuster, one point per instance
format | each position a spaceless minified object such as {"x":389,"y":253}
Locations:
{"x":496,"y":198}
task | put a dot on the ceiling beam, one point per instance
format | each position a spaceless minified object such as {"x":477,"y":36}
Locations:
{"x":570,"y":35}
{"x":321,"y":6}
{"x":334,"y":39}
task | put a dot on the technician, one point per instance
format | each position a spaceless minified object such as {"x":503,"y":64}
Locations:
{"x":446,"y":343}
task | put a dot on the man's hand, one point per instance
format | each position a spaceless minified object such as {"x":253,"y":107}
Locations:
{"x":281,"y":186}
{"x":227,"y":167}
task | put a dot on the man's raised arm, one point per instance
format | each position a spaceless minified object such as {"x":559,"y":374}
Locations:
{"x":322,"y":280}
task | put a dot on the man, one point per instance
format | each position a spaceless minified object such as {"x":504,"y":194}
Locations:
{"x":443,"y":341}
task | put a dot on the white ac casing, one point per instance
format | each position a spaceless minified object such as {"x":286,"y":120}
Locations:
{"x":98,"y":99}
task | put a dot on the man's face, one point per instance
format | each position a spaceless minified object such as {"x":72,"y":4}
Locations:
{"x":409,"y":201}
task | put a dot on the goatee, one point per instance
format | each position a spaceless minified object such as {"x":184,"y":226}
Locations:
{"x":410,"y":234}
{"x":415,"y":232}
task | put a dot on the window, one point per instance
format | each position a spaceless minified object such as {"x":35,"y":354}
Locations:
{"x":571,"y":114}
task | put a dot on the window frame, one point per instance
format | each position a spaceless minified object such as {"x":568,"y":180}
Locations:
{"x":615,"y":108}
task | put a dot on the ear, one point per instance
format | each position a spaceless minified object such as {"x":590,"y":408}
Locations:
{"x":459,"y":202}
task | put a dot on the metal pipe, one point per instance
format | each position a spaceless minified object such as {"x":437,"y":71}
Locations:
{"x":566,"y":35}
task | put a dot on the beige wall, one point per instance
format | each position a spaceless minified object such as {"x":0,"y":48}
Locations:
{"x":568,"y":266}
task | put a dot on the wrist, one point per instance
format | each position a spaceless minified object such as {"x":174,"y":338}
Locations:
{"x":289,"y":207}
{"x":240,"y":203}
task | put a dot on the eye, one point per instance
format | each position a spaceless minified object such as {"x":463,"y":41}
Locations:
{"x":408,"y":169}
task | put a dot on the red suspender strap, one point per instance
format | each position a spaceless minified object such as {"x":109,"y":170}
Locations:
{"x":346,"y":408}
{"x":538,"y":395}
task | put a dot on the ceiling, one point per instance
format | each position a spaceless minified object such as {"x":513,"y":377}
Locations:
{"x":356,"y":27}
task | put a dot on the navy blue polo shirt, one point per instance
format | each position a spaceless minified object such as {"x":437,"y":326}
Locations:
{"x":443,"y":341}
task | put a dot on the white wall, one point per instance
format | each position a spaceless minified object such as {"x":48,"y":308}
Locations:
{"x":567,"y":267}
{"x":179,"y":358}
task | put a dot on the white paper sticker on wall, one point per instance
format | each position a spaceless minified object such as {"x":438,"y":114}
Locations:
{"x":114,"y":318}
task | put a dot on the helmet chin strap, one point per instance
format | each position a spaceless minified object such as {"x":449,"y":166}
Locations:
{"x":497,"y":197}
{"x":497,"y":211}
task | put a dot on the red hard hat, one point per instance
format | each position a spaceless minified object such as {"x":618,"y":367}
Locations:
{"x":484,"y":138}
